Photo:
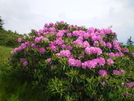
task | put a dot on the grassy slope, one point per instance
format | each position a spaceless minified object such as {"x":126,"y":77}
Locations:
{"x":11,"y":88}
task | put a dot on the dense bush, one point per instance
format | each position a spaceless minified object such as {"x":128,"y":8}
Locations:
{"x":9,"y":38}
{"x":74,"y":63}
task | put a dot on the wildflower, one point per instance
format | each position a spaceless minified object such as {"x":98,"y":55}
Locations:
{"x":42,"y":50}
{"x":102,"y":72}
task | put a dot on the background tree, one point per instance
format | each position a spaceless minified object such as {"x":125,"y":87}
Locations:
{"x":129,"y":41}
{"x":1,"y":24}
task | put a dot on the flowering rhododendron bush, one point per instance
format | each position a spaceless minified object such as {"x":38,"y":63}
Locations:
{"x":74,"y":63}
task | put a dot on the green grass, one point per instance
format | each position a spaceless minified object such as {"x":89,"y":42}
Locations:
{"x":4,"y":53}
{"x":11,"y":87}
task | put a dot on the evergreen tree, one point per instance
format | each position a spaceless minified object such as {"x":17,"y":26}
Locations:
{"x":1,"y":24}
{"x":130,"y":42}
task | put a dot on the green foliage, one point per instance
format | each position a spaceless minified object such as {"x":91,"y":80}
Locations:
{"x":9,"y":38}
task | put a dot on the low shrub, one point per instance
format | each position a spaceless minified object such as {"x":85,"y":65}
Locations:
{"x":73,"y":63}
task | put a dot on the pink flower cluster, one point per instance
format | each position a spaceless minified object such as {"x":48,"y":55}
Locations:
{"x":42,"y":50}
{"x":133,"y":54}
{"x":64,"y":53}
{"x":93,"y":50}
{"x":117,"y":72}
{"x":39,"y":39}
{"x":118,"y":54}
{"x":102,"y":72}
{"x":131,"y":84}
{"x":93,"y":63}
{"x":23,"y":61}
{"x":74,"y":62}
{"x":110,"y":61}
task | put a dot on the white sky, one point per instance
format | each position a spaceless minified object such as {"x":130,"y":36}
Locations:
{"x":24,"y":15}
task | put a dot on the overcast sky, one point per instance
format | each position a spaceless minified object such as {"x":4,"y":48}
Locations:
{"x":24,"y":15}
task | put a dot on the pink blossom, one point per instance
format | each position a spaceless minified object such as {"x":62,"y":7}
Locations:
{"x":10,"y":59}
{"x":23,"y":45}
{"x":51,"y":67}
{"x":109,"y":45}
{"x":48,"y":60}
{"x":63,"y":46}
{"x":119,"y":54}
{"x":60,"y":34}
{"x":111,"y":54}
{"x":116,"y":72}
{"x":90,"y":64}
{"x":116,"y":45}
{"x":42,"y":50}
{"x":131,"y":84}
{"x":122,"y":71}
{"x":69,"y":47}
{"x":133,"y":54}
{"x":93,"y":50}
{"x":61,"y":22}
{"x":124,"y":50}
{"x":96,"y":43}
{"x":86,"y":44}
{"x":103,"y":83}
{"x":86,"y":35}
{"x":24,"y":37}
{"x":19,"y":39}
{"x":74,"y":62}
{"x":65,"y":53}
{"x":102,"y":72}
{"x":110,"y":61}
{"x":101,"y":61}
{"x":22,"y":60}
{"x":12,"y":52}
{"x":103,"y":43}
{"x":69,"y":34}
{"x":78,"y":42}
{"x":84,"y":65}
{"x":25,"y":63}
{"x":53,"y":48}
